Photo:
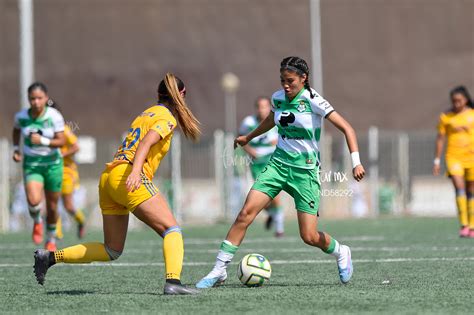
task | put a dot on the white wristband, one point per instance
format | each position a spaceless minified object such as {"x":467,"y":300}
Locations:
{"x":355,"y":159}
{"x":16,"y":148}
{"x":45,"y":141}
{"x":437,"y":161}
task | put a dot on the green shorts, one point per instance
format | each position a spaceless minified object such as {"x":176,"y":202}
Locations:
{"x":302,"y":184}
{"x":51,"y":176}
{"x":256,"y":169}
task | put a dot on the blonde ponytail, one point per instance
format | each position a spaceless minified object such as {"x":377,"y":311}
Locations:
{"x":187,"y":121}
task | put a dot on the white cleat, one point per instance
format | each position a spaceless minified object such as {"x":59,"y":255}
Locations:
{"x":212,"y":281}
{"x":344,"y":264}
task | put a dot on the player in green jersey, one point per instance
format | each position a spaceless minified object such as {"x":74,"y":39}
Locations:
{"x":298,"y":112}
{"x":42,"y":130}
{"x":260,"y":150}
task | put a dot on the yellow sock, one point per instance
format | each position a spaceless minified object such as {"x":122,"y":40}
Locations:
{"x":470,"y":207}
{"x":79,"y":216}
{"x":59,"y":228}
{"x":461,"y":202}
{"x":173,"y":252}
{"x":82,"y":253}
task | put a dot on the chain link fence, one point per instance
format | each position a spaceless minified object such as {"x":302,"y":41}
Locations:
{"x":207,"y":182}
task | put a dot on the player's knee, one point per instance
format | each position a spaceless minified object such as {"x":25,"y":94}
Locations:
{"x":309,"y":237}
{"x":244,"y":217}
{"x":113,"y":254}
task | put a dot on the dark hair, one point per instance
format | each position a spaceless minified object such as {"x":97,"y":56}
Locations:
{"x":261,"y":98}
{"x":462,"y":90}
{"x":38,"y":85}
{"x":298,"y":65}
{"x":52,"y":103}
{"x":170,"y":91}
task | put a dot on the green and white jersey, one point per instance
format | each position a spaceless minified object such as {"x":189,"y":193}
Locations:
{"x":299,"y":127}
{"x":50,"y":122}
{"x":263,"y":144}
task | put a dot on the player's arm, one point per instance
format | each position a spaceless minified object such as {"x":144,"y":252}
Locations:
{"x":267,"y":124}
{"x":134,"y":179}
{"x":340,"y":123}
{"x":16,"y":144}
{"x":440,"y":139}
{"x":58,"y":141}
{"x":72,"y":149}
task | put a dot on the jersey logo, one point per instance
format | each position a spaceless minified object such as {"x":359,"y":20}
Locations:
{"x":286,"y":118}
{"x":302,"y":107}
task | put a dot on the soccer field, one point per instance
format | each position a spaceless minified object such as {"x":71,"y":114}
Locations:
{"x":400,"y":266}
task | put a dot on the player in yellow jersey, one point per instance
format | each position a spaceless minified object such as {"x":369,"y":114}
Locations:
{"x":126,"y":186}
{"x":456,"y":127}
{"x":70,"y":178}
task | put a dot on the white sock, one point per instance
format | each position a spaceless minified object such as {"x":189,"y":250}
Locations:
{"x":279,"y":219}
{"x":223,"y":259}
{"x":35,"y":213}
{"x":51,"y":233}
{"x":337,"y":250}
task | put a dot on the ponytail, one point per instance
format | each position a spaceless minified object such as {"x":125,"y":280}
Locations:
{"x":169,"y":91}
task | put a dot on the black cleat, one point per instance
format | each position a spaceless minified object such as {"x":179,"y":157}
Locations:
{"x":178,"y":289}
{"x":41,"y":264}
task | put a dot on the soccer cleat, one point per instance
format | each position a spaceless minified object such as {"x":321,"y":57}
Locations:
{"x":471,"y":233}
{"x":178,"y":289}
{"x":279,"y":234}
{"x":464,"y":232}
{"x":41,"y":264}
{"x":37,"y":233}
{"x":50,"y":246}
{"x":81,"y":230}
{"x":211,"y":282}
{"x":345,"y":274}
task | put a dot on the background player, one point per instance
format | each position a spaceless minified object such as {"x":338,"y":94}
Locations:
{"x":298,"y":112}
{"x":126,"y":186}
{"x":70,"y":178}
{"x":42,"y":129}
{"x":456,"y":127}
{"x":260,"y":150}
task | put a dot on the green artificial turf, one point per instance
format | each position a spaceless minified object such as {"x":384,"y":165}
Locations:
{"x":409,"y":265}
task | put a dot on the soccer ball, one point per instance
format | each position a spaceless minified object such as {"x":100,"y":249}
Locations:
{"x":253,"y":270}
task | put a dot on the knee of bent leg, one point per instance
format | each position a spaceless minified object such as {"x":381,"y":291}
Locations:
{"x":113,"y":254}
{"x":244,"y":217}
{"x":309,"y":237}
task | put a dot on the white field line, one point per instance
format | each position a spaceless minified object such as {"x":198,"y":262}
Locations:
{"x":388,"y":249}
{"x":203,"y":241}
{"x":274,"y":262}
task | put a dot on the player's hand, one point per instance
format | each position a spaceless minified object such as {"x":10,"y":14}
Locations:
{"x":436,"y":169}
{"x":358,"y":172}
{"x":134,"y":181}
{"x":35,"y":138}
{"x":240,"y":141}
{"x":16,"y":156}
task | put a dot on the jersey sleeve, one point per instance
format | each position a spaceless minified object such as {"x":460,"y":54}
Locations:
{"x":441,"y":125}
{"x":164,"y":125}
{"x":321,"y":106}
{"x":244,"y":126}
{"x":58,"y":121}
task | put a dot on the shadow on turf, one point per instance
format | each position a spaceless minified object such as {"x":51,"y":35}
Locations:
{"x":71,"y":292}
{"x":84,"y":292}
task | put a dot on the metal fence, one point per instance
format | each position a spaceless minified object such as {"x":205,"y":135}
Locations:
{"x":207,"y":181}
